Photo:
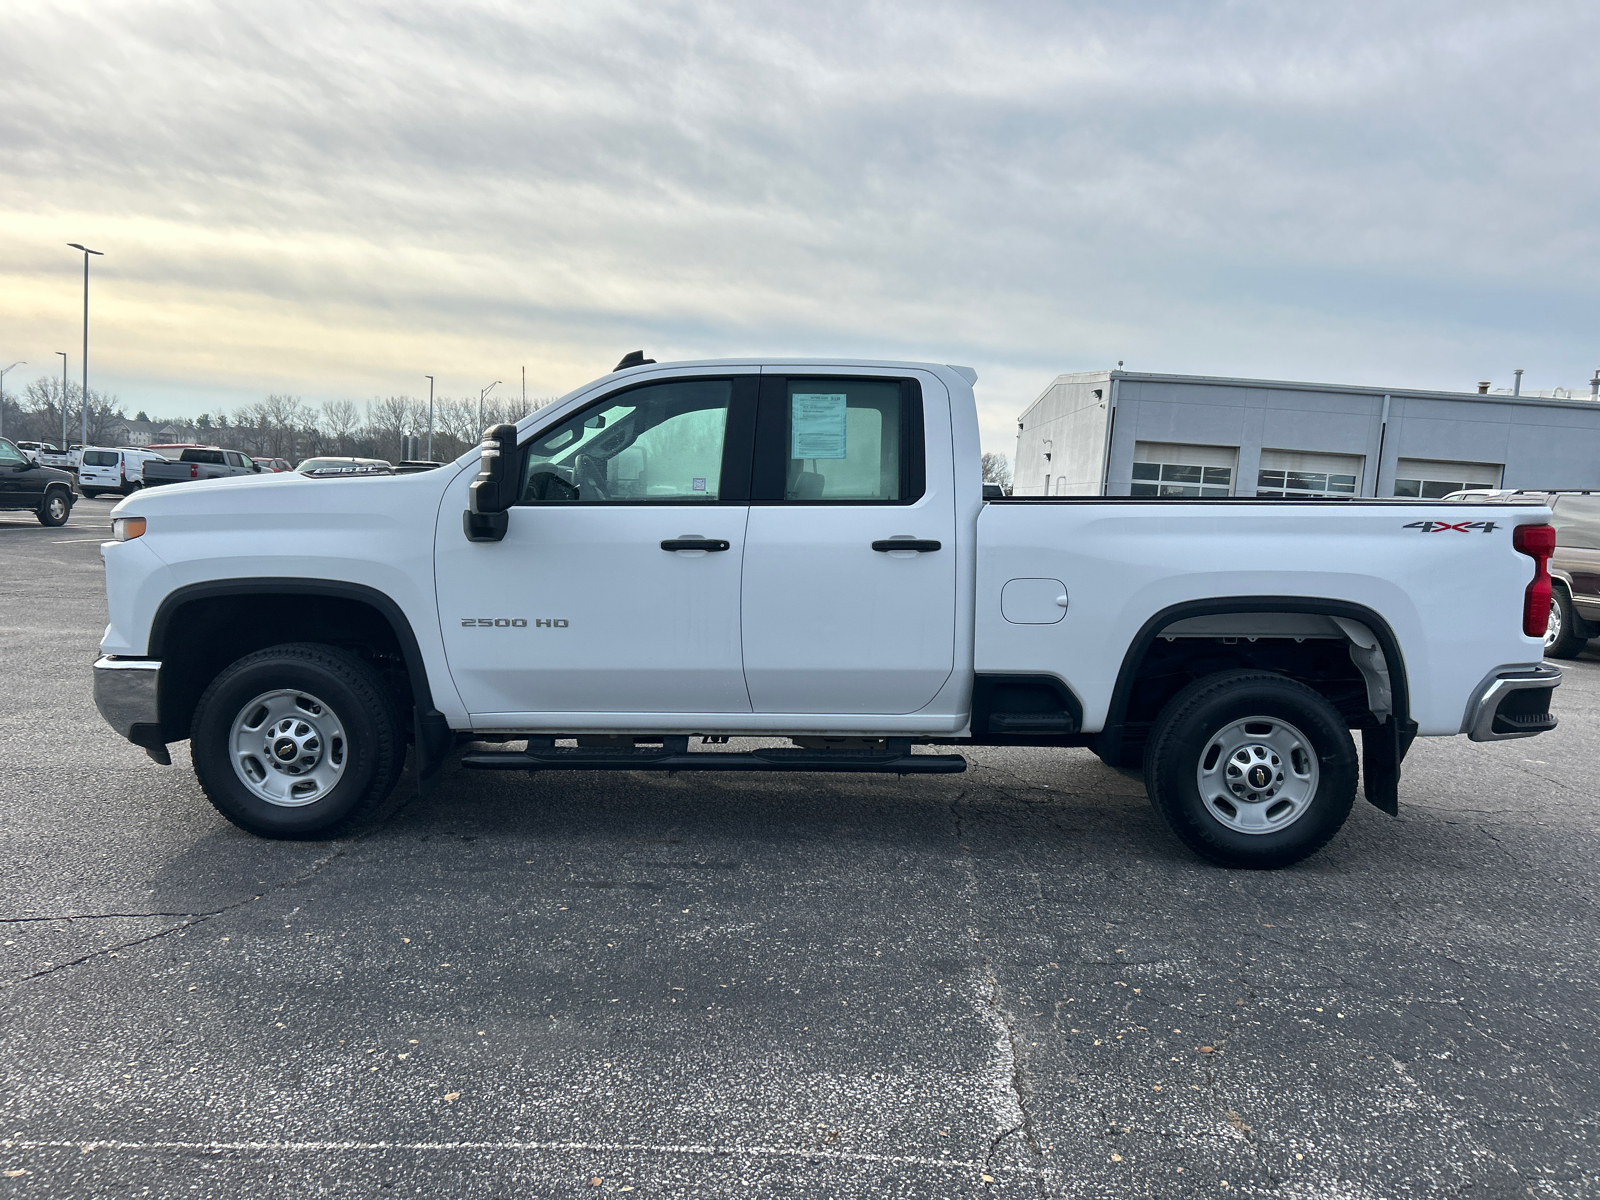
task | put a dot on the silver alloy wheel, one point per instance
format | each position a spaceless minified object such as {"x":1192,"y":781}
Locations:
{"x":288,"y":747}
{"x":55,"y":506}
{"x":1552,"y":629}
{"x":1258,"y":775}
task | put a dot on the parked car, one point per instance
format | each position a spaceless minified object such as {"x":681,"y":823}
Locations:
{"x":51,"y":456}
{"x":25,"y":484}
{"x":411,"y":466}
{"x":274,"y":465}
{"x":331,"y":467}
{"x":688,"y":551}
{"x":1574,"y":568}
{"x":120,"y":469}
{"x":199,"y":462}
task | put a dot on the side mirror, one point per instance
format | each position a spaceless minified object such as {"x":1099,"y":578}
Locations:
{"x":494,"y":490}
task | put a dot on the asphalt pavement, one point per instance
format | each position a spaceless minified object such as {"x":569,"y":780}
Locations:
{"x":1012,"y":982}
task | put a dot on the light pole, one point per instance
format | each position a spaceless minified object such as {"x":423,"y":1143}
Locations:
{"x":63,"y":354}
{"x":86,"y":253}
{"x":430,"y":417}
{"x":3,"y":374}
{"x":481,"y":395}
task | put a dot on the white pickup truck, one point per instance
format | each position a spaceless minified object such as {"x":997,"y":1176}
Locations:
{"x":679,"y":554}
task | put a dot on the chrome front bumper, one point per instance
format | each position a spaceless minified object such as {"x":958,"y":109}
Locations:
{"x":1514,"y":704}
{"x":125,"y":692}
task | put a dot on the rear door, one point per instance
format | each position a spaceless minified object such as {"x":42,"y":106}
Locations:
{"x":835,"y":619}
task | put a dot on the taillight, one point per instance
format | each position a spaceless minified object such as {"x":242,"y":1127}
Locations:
{"x":1538,"y":542}
{"x":194,"y":470}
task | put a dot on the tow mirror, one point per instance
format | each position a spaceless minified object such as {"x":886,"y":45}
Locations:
{"x":494,"y":490}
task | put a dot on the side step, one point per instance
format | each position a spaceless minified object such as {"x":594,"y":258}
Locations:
{"x":543,"y":755}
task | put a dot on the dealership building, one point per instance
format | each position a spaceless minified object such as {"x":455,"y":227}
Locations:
{"x":1128,"y":433}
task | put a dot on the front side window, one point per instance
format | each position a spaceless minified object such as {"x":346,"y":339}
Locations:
{"x":662,"y":442}
{"x":843,"y":439}
{"x":10,"y":456}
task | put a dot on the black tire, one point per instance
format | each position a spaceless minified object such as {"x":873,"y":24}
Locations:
{"x":371,"y":750}
{"x":1192,"y":727}
{"x":91,"y":493}
{"x":1564,"y":637}
{"x":55,"y":508}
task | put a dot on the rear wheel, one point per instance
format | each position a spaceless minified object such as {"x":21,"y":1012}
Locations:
{"x":56,"y":508}
{"x":1563,"y":636}
{"x":297,"y":741}
{"x":91,"y":493}
{"x":1251,"y":769}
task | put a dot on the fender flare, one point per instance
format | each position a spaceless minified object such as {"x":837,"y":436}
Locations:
{"x":1382,"y":750}
{"x":432,"y":731}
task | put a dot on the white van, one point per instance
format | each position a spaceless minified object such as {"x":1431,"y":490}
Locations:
{"x":113,"y":469}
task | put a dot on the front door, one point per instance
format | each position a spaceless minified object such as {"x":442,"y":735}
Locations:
{"x":836,"y":620}
{"x":21,"y":483}
{"x":616,"y":588}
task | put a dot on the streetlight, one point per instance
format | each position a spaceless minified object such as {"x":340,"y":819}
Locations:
{"x":3,"y":374}
{"x":481,"y":395}
{"x":430,"y":417}
{"x":63,"y":354}
{"x":86,"y":253}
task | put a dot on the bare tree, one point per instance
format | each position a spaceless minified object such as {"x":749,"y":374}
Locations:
{"x":997,"y":469}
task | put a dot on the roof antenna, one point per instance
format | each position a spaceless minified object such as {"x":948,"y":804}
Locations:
{"x":634,"y":358}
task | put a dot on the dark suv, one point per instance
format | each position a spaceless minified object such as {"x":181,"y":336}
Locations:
{"x":25,"y":484}
{"x":1575,"y":568}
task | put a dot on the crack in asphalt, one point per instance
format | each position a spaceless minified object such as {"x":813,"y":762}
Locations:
{"x":194,"y":919}
{"x":1020,"y":1089}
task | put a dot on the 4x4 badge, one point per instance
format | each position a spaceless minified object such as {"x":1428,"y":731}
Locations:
{"x":1459,"y":526}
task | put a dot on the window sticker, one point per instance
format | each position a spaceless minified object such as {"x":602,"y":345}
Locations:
{"x":817,"y":425}
{"x":698,"y":484}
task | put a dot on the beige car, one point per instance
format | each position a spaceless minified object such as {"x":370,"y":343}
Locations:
{"x":1575,"y":569}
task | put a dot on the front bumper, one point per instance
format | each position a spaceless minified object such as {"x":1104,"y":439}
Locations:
{"x":127,"y":693}
{"x":1514,"y":704}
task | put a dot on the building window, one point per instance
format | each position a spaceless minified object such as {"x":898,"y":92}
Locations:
{"x":1177,"y":471}
{"x":1421,"y":479}
{"x":1297,"y":474}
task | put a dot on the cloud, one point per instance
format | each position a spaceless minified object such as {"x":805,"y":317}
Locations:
{"x":334,"y":198}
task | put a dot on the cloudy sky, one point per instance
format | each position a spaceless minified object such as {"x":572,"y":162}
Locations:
{"x":333,"y":199}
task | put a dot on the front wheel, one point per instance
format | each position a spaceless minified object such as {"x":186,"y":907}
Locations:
{"x":296,"y":741}
{"x":1251,"y":769}
{"x":55,"y":510}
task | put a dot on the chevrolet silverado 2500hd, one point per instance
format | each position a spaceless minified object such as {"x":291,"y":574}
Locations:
{"x":682,"y":553}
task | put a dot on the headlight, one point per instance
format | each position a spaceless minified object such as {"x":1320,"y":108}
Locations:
{"x":125,"y":529}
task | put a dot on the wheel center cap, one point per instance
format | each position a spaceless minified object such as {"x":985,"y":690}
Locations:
{"x":1258,"y":776}
{"x":286,"y":749}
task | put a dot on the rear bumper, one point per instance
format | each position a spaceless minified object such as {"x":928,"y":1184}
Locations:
{"x":1514,"y":704}
{"x":126,"y":691}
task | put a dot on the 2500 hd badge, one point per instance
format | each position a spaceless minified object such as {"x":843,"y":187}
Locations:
{"x":512,"y":622}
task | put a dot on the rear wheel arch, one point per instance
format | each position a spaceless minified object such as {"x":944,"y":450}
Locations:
{"x":1120,"y":742}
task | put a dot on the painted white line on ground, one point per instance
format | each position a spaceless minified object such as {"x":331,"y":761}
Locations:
{"x":901,"y":1160}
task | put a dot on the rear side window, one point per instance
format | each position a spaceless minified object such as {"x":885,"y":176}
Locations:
{"x":835,"y":440}
{"x":100,"y":458}
{"x":204,"y":456}
{"x":1577,"y":521}
{"x":663,"y":442}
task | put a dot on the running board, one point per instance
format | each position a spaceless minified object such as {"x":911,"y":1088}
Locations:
{"x":678,"y":758}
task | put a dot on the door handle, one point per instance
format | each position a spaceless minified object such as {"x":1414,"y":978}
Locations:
{"x":921,"y":546}
{"x":695,"y":543}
